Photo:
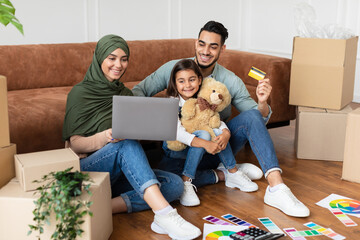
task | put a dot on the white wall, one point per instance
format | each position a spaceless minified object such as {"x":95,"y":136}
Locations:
{"x":265,"y":26}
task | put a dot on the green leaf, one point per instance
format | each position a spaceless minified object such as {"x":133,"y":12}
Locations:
{"x":7,"y":15}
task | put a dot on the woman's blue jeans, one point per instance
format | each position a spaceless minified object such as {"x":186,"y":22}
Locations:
{"x":248,"y":126}
{"x":131,"y":174}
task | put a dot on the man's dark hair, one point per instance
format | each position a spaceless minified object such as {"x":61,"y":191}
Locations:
{"x":216,"y":27}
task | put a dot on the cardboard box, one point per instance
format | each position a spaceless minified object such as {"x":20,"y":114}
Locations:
{"x":4,"y":116}
{"x":32,"y":166}
{"x":351,"y":163}
{"x":323,"y":72}
{"x":320,"y":133}
{"x":7,"y":166}
{"x":16,"y":208}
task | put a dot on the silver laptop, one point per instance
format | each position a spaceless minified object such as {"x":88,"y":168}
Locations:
{"x":145,"y":118}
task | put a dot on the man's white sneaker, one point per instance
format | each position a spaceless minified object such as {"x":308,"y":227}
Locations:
{"x":241,"y":181}
{"x":251,"y":170}
{"x":189,"y":197}
{"x":175,"y":226}
{"x":285,"y":200}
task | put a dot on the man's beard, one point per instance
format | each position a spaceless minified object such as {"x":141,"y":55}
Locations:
{"x":205,"y":66}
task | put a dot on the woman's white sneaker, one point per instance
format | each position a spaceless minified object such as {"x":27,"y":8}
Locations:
{"x":285,"y":200}
{"x":175,"y":226}
{"x":241,"y":181}
{"x":189,"y":197}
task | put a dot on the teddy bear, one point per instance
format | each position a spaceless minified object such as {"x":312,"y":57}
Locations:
{"x":202,"y":113}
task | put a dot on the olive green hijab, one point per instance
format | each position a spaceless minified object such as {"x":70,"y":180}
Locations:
{"x":89,"y":103}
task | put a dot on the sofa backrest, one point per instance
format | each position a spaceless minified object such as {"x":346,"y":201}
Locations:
{"x":58,"y":65}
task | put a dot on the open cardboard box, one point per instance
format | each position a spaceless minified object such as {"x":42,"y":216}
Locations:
{"x":323,"y":72}
{"x":32,"y":166}
{"x":16,"y":208}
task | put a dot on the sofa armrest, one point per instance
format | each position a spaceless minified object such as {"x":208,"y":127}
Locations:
{"x":277,"y":70}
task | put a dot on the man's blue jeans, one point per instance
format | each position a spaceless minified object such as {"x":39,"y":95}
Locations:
{"x":131,"y":174}
{"x":193,"y":155}
{"x":248,"y":126}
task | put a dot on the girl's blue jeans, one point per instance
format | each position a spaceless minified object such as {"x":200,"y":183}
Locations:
{"x":193,"y":155}
{"x":131,"y":174}
{"x":248,"y":126}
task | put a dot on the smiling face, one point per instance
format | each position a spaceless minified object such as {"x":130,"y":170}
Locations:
{"x":187,"y":83}
{"x":114,"y":65}
{"x":208,"y":49}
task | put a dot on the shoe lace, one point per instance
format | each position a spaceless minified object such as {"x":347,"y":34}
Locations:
{"x":243,"y":176}
{"x":177,"y":219}
{"x":191,"y":185}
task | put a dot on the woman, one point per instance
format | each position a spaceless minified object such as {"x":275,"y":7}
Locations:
{"x":87,"y":131}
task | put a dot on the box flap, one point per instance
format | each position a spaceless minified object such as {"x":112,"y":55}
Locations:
{"x":324,"y":52}
{"x":311,"y":109}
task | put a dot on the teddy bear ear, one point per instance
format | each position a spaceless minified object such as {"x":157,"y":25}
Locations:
{"x":208,"y":80}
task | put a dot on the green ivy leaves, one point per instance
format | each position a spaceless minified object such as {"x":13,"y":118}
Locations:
{"x":59,"y":195}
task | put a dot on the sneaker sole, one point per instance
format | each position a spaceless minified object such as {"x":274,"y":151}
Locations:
{"x":156,"y":228}
{"x":289,"y":214}
{"x":190,"y":204}
{"x":187,"y":204}
{"x":241,"y":189}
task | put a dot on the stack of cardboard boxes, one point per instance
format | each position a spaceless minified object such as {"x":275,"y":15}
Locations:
{"x":17,"y":195}
{"x":322,"y":86}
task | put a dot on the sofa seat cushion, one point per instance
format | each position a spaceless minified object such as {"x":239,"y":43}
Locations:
{"x":36,"y":117}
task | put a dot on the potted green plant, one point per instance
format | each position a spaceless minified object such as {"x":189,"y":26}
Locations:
{"x":59,"y":195}
{"x":7,"y":15}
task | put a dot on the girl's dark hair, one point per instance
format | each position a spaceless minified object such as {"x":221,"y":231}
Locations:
{"x":183,"y":64}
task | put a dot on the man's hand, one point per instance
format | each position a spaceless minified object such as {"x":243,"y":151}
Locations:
{"x":263,"y":91}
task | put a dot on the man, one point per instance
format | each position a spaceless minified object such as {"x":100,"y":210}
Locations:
{"x":249,"y":125}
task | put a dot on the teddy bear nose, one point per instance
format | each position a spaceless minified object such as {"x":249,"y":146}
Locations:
{"x":220,"y":96}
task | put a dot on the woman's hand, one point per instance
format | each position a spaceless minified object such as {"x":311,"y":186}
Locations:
{"x":223,"y":139}
{"x":109,"y":138}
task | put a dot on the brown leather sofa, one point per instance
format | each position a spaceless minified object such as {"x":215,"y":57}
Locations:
{"x":39,"y":78}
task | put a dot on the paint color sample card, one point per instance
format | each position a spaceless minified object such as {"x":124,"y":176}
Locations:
{"x":257,"y":73}
{"x":214,"y":232}
{"x":346,"y":205}
{"x":343,"y":217}
{"x":216,"y":220}
{"x":237,"y":220}
{"x":325,"y":231}
{"x":306,"y":233}
{"x":270,"y":225}
{"x":290,"y":232}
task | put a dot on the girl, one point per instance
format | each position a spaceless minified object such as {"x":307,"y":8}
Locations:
{"x":87,"y":131}
{"x":185,"y":82}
